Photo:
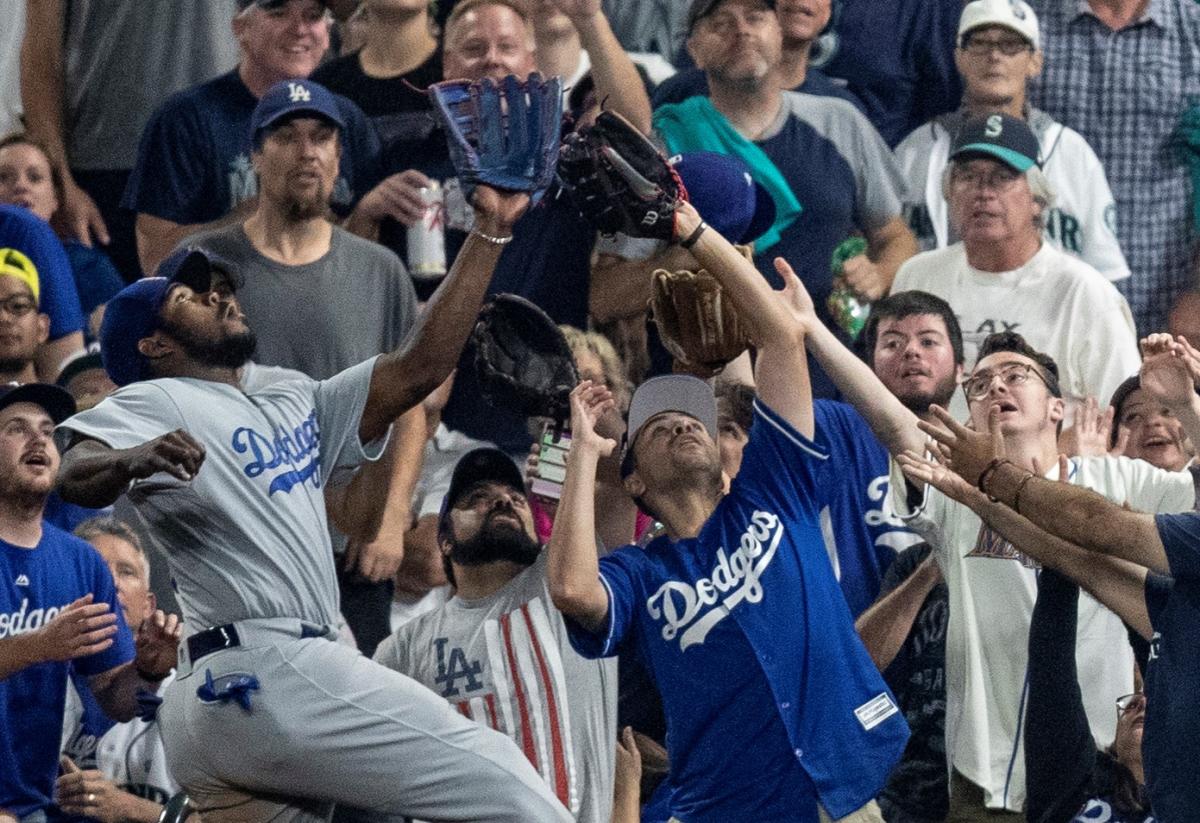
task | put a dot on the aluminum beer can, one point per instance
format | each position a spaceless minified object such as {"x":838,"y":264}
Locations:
{"x":427,"y":237}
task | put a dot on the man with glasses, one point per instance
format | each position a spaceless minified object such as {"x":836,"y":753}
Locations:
{"x":1003,"y":276}
{"x":23,"y":327}
{"x":993,"y":586}
{"x":998,"y":54}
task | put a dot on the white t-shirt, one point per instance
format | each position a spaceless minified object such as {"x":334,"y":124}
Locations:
{"x":992,"y":593}
{"x":1059,"y":304}
{"x":1081,"y":221}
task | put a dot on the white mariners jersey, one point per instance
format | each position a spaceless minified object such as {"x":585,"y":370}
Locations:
{"x":506,"y":663}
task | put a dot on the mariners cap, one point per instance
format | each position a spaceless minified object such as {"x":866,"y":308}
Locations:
{"x":291,"y":98}
{"x":668,"y":393}
{"x":14,"y":263}
{"x":1000,"y":137}
{"x":134,"y":313}
{"x":726,"y":196}
{"x":702,"y":8}
{"x":56,"y":402}
{"x":477,"y":466}
{"x":1012,"y":14}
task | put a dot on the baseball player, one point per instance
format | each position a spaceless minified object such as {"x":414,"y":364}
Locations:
{"x":268,"y":719}
{"x":774,"y":709}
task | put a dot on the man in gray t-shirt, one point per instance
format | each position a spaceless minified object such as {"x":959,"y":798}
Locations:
{"x":268,"y":718}
{"x":498,"y":650}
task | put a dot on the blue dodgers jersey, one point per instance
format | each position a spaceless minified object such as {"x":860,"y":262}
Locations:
{"x":1171,"y":741}
{"x":760,"y":560}
{"x":867,"y":534}
{"x":35,"y":584}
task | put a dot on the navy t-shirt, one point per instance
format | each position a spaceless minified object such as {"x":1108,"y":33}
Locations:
{"x":35,"y":584}
{"x":193,"y":163}
{"x":29,"y":234}
{"x":693,"y":82}
{"x":1171,"y":742}
{"x":897,"y":58}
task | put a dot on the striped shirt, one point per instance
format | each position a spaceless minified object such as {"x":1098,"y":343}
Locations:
{"x":1125,"y":92}
{"x":505,"y":662}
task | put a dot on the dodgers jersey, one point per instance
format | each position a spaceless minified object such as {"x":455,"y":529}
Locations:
{"x":35,"y":585}
{"x":779,"y":706}
{"x":247,"y":536}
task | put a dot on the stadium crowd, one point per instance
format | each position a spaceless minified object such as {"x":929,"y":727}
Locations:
{"x":269,"y":550}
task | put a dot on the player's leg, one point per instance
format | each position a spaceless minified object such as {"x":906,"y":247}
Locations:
{"x":328,"y":723}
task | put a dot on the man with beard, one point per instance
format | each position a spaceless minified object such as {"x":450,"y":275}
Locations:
{"x":268,"y":717}
{"x":320,"y":300}
{"x":498,"y":650}
{"x":58,"y":611}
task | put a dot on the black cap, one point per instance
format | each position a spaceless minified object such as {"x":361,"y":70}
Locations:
{"x":77,"y":366}
{"x":55,"y":401}
{"x":999,"y":137}
{"x":703,"y":8}
{"x":479,"y":465}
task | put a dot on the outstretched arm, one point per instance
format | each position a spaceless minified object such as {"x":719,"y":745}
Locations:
{"x":572,"y":566}
{"x":616,"y":78}
{"x":885,"y":626}
{"x":404,"y":378}
{"x":782,"y":370}
{"x":1073,"y":513}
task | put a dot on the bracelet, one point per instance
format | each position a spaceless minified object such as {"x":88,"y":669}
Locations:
{"x":987,"y":472}
{"x":148,"y":677}
{"x":691,"y":239}
{"x":495,"y":241}
{"x":1020,"y":488}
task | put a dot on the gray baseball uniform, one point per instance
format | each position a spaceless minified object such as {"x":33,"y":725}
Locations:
{"x":505,"y":661}
{"x":247,"y":543}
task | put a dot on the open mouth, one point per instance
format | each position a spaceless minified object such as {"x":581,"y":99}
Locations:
{"x":36,"y":459}
{"x":1005,"y":406}
{"x":914,"y":372}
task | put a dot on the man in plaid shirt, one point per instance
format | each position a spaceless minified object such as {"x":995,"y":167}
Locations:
{"x":1122,"y":73}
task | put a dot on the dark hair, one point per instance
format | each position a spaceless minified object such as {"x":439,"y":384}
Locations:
{"x":735,"y":401}
{"x":904,"y":304}
{"x":1119,"y":398}
{"x":26,"y":139}
{"x":1012,"y":342}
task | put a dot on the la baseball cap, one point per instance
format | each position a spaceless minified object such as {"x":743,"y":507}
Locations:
{"x":1012,"y":14}
{"x":477,"y":466}
{"x":668,"y":393}
{"x":726,"y":196}
{"x":1001,"y":137}
{"x":702,"y":8}
{"x":134,"y":312}
{"x":14,"y":263}
{"x":290,"y":98}
{"x":55,"y":401}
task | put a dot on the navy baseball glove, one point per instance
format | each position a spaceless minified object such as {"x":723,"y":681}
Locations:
{"x":619,"y":181}
{"x":505,"y":136}
{"x":523,"y":360}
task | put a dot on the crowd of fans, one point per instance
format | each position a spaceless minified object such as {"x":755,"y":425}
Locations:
{"x":1009,"y":185}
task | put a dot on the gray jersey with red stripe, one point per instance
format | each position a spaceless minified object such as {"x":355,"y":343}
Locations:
{"x":505,"y":662}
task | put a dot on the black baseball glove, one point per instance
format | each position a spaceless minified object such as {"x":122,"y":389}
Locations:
{"x":619,"y":181}
{"x":523,"y":360}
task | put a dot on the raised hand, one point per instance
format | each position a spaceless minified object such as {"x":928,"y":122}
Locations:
{"x":577,"y":9}
{"x":589,"y":402}
{"x":1090,"y":434}
{"x":797,"y":299}
{"x":177,"y":453}
{"x":922,"y":470}
{"x":496,"y":211}
{"x":1166,"y":375}
{"x":81,"y":629}
{"x":157,"y":643}
{"x":968,"y":452}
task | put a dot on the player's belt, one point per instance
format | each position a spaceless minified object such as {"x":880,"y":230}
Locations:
{"x":226,"y":637}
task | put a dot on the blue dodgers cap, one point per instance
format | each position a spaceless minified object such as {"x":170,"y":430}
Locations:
{"x":289,"y":98}
{"x":134,"y":312}
{"x":55,"y":401}
{"x":668,"y":393}
{"x":1001,"y":137}
{"x":721,"y":189}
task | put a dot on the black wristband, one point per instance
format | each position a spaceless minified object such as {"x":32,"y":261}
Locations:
{"x":691,"y":239}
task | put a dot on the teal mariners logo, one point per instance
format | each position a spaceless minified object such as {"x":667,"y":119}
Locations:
{"x":288,"y":457}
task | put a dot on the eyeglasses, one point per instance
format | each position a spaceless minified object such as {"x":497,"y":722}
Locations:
{"x":1128,"y":701}
{"x":18,"y":305}
{"x":1010,"y":374}
{"x":1008,"y":46}
{"x":997,"y":179}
